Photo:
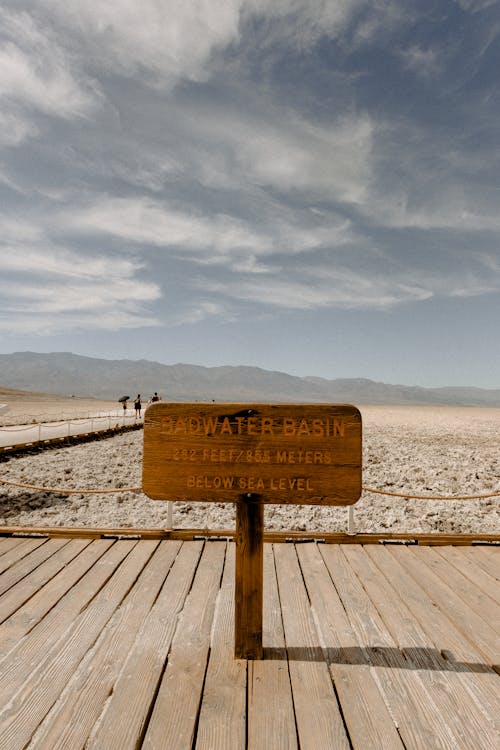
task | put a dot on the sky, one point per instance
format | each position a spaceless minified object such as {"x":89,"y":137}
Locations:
{"x":309,"y":186}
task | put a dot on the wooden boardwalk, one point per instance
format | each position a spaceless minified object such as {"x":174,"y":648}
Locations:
{"x":127,"y":643}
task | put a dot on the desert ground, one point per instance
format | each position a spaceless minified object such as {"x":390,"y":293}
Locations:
{"x":23,"y":407}
{"x":414,"y":450}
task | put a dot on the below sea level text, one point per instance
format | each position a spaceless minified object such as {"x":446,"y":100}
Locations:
{"x":250,"y":484}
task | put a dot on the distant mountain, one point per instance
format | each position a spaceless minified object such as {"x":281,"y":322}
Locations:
{"x":67,"y":374}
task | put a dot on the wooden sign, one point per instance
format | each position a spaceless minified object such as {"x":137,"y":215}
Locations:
{"x":284,"y":453}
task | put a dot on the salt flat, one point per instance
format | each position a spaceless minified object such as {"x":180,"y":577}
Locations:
{"x":417,"y":450}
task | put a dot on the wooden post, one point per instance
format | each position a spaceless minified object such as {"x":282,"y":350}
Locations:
{"x":249,"y":577}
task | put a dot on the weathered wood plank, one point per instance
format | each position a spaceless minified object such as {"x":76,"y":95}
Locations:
{"x":223,"y":710}
{"x":32,"y":701}
{"x":475,"y":598}
{"x":70,"y":722}
{"x":444,"y":683}
{"x":318,"y":715}
{"x":8,"y":543}
{"x":16,"y":596}
{"x":170,"y":726}
{"x":419,"y":720}
{"x":125,"y":717}
{"x":480,"y":680}
{"x":19,"y":551}
{"x":488,"y":558}
{"x":33,"y":611}
{"x":271,"y":718}
{"x":28,"y":564}
{"x":185,"y":535}
{"x":17,"y":666}
{"x":367,"y":718}
{"x":472,"y":624}
{"x":468,"y":566}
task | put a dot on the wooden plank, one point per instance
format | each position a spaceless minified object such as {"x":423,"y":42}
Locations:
{"x":222,"y":718}
{"x":30,"y":563}
{"x":367,"y":718}
{"x":175,"y":714}
{"x":249,"y":578}
{"x":444,"y":683}
{"x":471,"y":624}
{"x":482,"y":681}
{"x":317,"y":712}
{"x":271,"y":718}
{"x":8,"y":543}
{"x":419,"y":720}
{"x":126,"y":714}
{"x":487,"y":559}
{"x":467,"y":565}
{"x":51,"y":669}
{"x":26,"y":547}
{"x":70,"y":722}
{"x":11,"y":600}
{"x":31,"y":613}
{"x":16,"y":667}
{"x":337,"y":537}
{"x":475,"y":598}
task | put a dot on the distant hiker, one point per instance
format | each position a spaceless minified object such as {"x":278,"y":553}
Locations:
{"x":124,"y":407}
{"x":155,"y":398}
{"x":138,"y":405}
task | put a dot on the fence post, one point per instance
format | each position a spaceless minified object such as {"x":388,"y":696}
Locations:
{"x":351,"y":526}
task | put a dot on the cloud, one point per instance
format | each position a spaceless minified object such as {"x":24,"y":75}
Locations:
{"x":36,"y":70}
{"x":15,"y":128}
{"x":287,"y":152}
{"x":165,"y":42}
{"x":343,"y":288}
{"x":212,"y":237}
{"x":423,"y":62}
{"x":37,"y":76}
{"x":51,"y":289}
{"x":161,"y":41}
{"x":319,"y":286}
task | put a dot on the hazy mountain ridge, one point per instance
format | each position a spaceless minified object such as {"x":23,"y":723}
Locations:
{"x":64,"y":373}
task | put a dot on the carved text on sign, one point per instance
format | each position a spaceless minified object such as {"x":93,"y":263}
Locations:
{"x":285,"y":453}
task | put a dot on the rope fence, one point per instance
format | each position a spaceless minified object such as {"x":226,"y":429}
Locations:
{"x":351,"y":525}
{"x":42,"y":430}
{"x":405,"y":495}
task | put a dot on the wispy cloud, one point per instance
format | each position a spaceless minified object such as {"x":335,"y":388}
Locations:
{"x":51,"y":288}
{"x":217,"y":237}
{"x":36,"y":70}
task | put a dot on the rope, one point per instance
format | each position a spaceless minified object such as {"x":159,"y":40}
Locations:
{"x":430,"y":497}
{"x":70,"y":492}
{"x":405,"y":495}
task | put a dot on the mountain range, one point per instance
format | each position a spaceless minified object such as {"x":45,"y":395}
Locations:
{"x":65,"y":374}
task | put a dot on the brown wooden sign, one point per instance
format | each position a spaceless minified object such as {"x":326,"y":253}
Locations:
{"x":285,"y":453}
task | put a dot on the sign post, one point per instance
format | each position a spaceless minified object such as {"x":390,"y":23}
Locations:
{"x":252,"y":454}
{"x":249,"y":577}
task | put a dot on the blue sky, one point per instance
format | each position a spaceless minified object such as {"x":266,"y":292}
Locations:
{"x":305,"y":186}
